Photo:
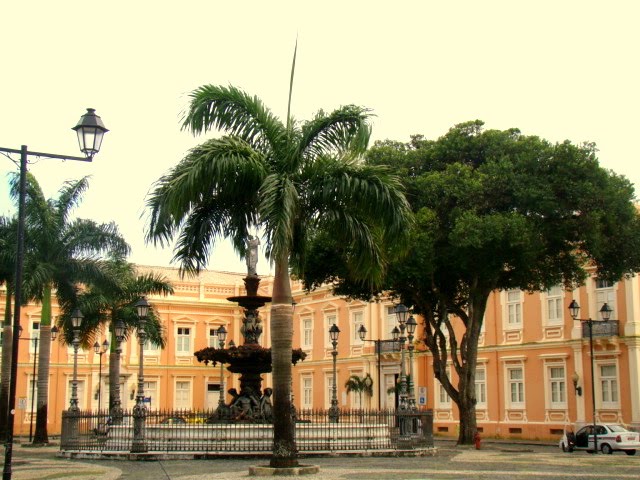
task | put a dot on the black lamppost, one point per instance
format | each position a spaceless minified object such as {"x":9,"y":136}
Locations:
{"x":411,"y":329}
{"x":222,"y":337}
{"x":401,"y":312}
{"x":334,"y":411}
{"x":116,"y":407}
{"x":605,"y":313}
{"x":35,"y":341}
{"x":139,"y":410}
{"x":100,"y":350}
{"x":74,"y":410}
{"x":90,"y":130}
{"x":362,"y":333}
{"x":76,"y":322}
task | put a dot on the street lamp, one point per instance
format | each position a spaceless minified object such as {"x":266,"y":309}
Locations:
{"x":334,"y":411}
{"x":411,"y":329}
{"x":139,"y":410}
{"x":76,"y":322}
{"x":222,"y":336}
{"x":362,"y":333}
{"x":116,"y":404}
{"x":73,"y":414}
{"x":90,"y":130}
{"x":401,"y":314}
{"x":605,"y":313}
{"x":100,"y":350}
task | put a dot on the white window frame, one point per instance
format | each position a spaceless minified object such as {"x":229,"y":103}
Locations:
{"x":306,"y":329}
{"x":519,"y":383}
{"x":213,"y":337}
{"x":330,"y":318}
{"x":481,"y":386}
{"x":357,"y":320}
{"x":390,"y":322}
{"x":555,"y":305}
{"x":557,"y":385}
{"x":306,"y":393}
{"x":514,"y":308}
{"x":605,"y":292}
{"x":443,"y":399}
{"x":154,"y":393}
{"x":179,"y":403}
{"x":609,"y":385}
{"x":181,"y":337}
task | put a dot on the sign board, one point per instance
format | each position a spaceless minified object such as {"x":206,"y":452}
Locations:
{"x":22,"y":403}
{"x":147,"y":399}
{"x":422,"y":396}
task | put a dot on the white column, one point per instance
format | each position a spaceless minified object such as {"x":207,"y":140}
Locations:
{"x":633,"y":346}
{"x":577,"y":364}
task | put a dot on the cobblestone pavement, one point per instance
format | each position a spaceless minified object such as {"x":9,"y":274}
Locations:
{"x":496,"y":461}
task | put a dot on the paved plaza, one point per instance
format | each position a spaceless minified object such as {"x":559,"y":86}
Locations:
{"x":496,"y":461}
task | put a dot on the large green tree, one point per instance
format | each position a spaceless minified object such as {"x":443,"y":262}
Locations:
{"x":287,"y":180}
{"x":62,"y":253}
{"x":495,"y":210}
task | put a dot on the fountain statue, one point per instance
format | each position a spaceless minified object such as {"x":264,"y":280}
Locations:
{"x":250,"y":359}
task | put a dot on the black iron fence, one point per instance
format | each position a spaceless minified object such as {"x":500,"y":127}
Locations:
{"x":198,"y":432}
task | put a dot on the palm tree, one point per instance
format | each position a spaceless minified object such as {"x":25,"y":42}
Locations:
{"x":289,"y":181}
{"x":113,"y":301}
{"x":61,"y":254}
{"x":8,"y":230}
{"x":360,"y":385}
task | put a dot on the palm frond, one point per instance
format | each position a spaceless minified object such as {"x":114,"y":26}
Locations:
{"x":345,"y":129}
{"x":235,"y":112}
{"x":69,"y":197}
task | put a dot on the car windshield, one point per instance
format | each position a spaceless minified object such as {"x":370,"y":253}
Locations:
{"x":617,"y":428}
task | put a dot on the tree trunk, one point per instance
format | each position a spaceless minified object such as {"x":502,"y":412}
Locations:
{"x":7,"y":350}
{"x":284,"y":445}
{"x":114,"y":369}
{"x":466,"y":400}
{"x":40,"y":436}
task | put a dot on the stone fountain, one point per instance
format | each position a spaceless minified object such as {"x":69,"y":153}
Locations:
{"x":250,"y":360}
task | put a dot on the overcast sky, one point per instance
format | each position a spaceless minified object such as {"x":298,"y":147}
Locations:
{"x":556,"y":69}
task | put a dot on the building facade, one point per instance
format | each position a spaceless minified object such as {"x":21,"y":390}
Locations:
{"x":530,"y":352}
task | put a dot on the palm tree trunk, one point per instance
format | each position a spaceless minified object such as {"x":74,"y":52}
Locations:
{"x":40,"y":436}
{"x":114,"y":371}
{"x":7,"y":349}
{"x":284,"y":444}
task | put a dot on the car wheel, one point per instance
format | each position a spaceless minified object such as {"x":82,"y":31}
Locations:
{"x":630,"y":452}
{"x":606,"y":449}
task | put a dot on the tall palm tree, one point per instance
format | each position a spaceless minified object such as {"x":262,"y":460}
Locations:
{"x":109,"y":302}
{"x":8,"y":229}
{"x":360,"y":385}
{"x":289,"y":181}
{"x":62,"y":253}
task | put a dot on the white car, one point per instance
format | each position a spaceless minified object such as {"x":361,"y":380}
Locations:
{"x":611,"y":437}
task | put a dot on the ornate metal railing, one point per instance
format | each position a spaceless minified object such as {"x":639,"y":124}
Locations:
{"x":197,"y":432}
{"x":601,"y":328}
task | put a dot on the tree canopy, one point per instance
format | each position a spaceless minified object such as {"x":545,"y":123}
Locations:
{"x":494,"y":210}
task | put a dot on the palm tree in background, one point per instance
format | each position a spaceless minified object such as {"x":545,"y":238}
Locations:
{"x":8,"y":230}
{"x":60,"y":254}
{"x":360,"y":385}
{"x":105,"y":303}
{"x":289,"y":181}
